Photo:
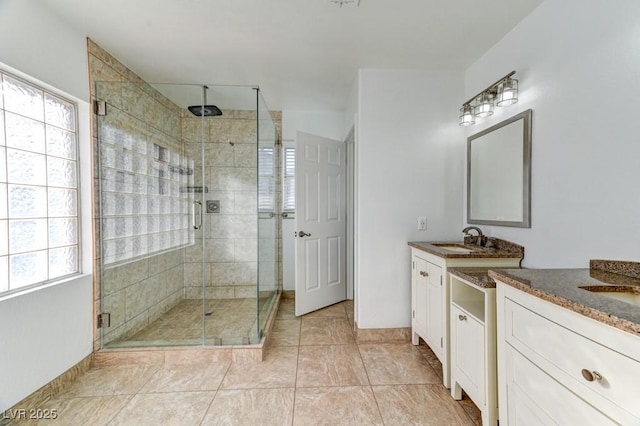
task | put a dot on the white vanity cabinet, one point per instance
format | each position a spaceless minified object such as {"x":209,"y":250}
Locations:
{"x":430,"y":298}
{"x":427,"y":288}
{"x":560,"y":367}
{"x":473,"y":346}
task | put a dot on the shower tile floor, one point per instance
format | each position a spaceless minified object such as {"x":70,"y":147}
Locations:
{"x":314,"y":373}
{"x":229,"y":322}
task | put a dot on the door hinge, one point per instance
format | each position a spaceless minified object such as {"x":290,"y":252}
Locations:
{"x":440,"y":279}
{"x":414,"y":313}
{"x":104,"y":320}
{"x":413,"y":264}
{"x":100,"y":108}
{"x":441,"y":342}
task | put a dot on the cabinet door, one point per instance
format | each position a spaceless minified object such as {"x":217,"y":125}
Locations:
{"x":419,"y":296}
{"x":435,"y":305}
{"x":468,"y":352}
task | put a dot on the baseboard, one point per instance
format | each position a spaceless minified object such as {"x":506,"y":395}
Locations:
{"x":383,"y":335}
{"x":37,"y":399}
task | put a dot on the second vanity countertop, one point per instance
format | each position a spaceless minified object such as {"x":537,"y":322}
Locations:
{"x":476,"y":276}
{"x":562,"y":287}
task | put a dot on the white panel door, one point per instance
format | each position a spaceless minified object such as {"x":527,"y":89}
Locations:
{"x":320,"y":222}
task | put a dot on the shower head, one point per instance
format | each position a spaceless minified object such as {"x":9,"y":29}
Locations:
{"x":205,"y":111}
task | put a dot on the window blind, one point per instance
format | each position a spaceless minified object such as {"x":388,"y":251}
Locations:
{"x":289,"y":184}
{"x":266,"y":181}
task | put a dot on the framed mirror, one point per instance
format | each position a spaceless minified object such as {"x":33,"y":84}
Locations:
{"x":499,"y":173}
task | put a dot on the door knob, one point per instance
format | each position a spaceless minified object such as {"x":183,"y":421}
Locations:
{"x":424,"y":273}
{"x":303,"y":234}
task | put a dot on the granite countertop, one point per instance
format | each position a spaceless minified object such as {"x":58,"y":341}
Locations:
{"x":476,"y":276}
{"x":562,"y":287}
{"x":494,"y":248}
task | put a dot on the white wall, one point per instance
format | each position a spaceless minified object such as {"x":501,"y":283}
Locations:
{"x":578,"y":64}
{"x":38,"y":43}
{"x":47,"y":331}
{"x":410,"y":157}
{"x":328,"y":124}
{"x":43,"y":334}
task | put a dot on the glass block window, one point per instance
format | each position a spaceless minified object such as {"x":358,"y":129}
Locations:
{"x":38,"y":185}
{"x":144,"y":185}
{"x":289,"y":183}
{"x":266,"y":181}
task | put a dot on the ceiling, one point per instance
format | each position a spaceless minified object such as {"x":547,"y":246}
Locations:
{"x":304,"y":54}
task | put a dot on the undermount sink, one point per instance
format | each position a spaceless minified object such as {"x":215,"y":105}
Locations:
{"x":455,"y":247}
{"x":627,"y":294}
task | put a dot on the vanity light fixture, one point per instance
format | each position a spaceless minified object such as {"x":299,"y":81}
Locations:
{"x":466,"y":116}
{"x":503,"y":92}
{"x":507,"y":92}
{"x":484,"y":108}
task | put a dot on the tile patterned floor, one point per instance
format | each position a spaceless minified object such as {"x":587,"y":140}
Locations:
{"x":228,"y":322}
{"x":314,"y":373}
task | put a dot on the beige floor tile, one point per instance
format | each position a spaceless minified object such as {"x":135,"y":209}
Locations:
{"x":112,"y":380}
{"x":331,"y":365}
{"x":277,"y":370}
{"x":431,"y":358}
{"x":285,"y":333}
{"x":354,"y":405}
{"x":287,"y":309}
{"x":333,"y":311}
{"x":348,"y":305}
{"x":92,"y":410}
{"x":230,"y":320}
{"x":184,"y":377}
{"x":176,"y":408}
{"x":401,"y":363}
{"x":419,"y":405}
{"x":471,"y":409}
{"x":251,"y":407}
{"x":326,"y":331}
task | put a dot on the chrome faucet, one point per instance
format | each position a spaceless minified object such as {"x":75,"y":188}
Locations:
{"x":479,"y":237}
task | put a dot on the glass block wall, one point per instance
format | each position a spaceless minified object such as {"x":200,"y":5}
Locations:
{"x":143,"y":174}
{"x":38,"y":185}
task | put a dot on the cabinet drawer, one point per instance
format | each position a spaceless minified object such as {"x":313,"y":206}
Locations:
{"x":563,"y":354}
{"x":534,"y":397}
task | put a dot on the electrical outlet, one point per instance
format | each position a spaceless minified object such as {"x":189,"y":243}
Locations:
{"x":422,"y":223}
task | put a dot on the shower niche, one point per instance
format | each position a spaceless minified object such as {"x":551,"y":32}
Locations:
{"x":187,"y":214}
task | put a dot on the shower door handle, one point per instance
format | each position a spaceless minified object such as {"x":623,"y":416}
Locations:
{"x":197,"y":204}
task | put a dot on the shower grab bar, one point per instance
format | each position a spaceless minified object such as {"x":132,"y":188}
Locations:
{"x":193,"y":214}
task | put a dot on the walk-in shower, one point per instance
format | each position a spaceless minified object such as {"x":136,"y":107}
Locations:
{"x":188,"y":214}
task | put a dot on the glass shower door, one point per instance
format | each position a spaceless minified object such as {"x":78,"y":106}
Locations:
{"x":269,"y":208}
{"x":144,"y":217}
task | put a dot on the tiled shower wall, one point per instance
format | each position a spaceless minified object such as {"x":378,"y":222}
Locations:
{"x":230,"y":267}
{"x":138,"y":117}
